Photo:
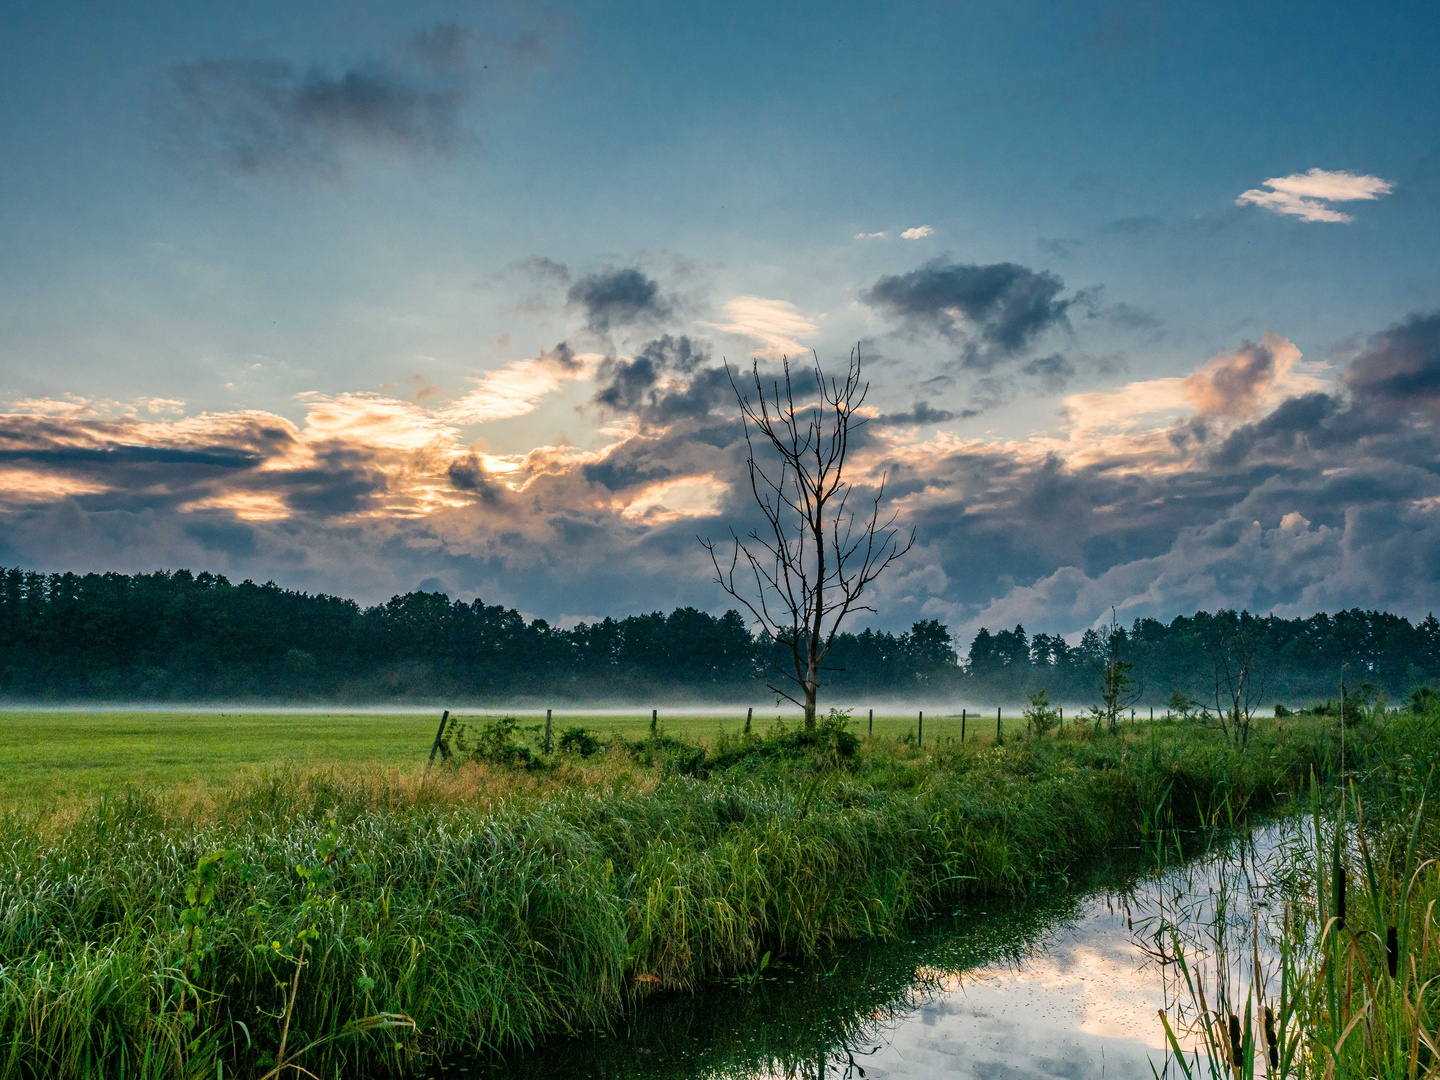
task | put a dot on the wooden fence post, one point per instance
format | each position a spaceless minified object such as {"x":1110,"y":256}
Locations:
{"x":435,"y":746}
{"x":962,"y":724}
{"x":920,"y":738}
{"x":999,"y":735}
{"x":547,"y":731}
{"x":654,"y":721}
{"x":872,"y":721}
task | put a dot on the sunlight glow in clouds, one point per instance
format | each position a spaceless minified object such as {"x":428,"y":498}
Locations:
{"x":515,"y":389}
{"x":374,"y":420}
{"x":692,"y":496}
{"x":1306,"y":195}
{"x":775,"y":324}
{"x":1235,"y":384}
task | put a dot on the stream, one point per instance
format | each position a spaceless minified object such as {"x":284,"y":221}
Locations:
{"x":1067,"y":984}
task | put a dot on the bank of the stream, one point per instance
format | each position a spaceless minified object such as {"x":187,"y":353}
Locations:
{"x":352,"y":922}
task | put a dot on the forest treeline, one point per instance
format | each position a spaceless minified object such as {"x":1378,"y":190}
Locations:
{"x":178,"y":636}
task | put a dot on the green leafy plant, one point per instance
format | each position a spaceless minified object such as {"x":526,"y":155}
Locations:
{"x":576,"y":740}
{"x":1041,"y":717}
{"x":496,"y":742}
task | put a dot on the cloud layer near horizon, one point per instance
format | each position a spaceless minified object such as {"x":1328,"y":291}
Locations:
{"x":1257,"y":480}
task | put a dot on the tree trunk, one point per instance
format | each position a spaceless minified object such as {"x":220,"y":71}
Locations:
{"x":812,"y":689}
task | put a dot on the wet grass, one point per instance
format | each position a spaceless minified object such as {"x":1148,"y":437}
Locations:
{"x":348,"y":920}
{"x":55,"y":756}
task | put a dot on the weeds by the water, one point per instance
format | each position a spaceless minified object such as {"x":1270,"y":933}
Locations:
{"x":330,"y":923}
{"x":1348,"y":985}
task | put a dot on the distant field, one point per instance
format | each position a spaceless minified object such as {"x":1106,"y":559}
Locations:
{"x":60,"y":755}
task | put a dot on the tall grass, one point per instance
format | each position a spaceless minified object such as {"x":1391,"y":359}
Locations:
{"x":1350,"y":984}
{"x":335,"y":923}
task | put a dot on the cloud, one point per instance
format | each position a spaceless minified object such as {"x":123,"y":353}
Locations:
{"x":1245,"y":381}
{"x":998,"y":310}
{"x":1256,"y":479}
{"x":671,"y":500}
{"x":1307,"y":195}
{"x":517,"y":388}
{"x":871,"y":235}
{"x":919,"y":232}
{"x":1235,"y":384}
{"x":267,"y":116}
{"x":257,"y":116}
{"x":618,"y":297}
{"x":74,"y":406}
{"x":374,"y":420}
{"x":1053,"y":372}
{"x":775,"y":325}
{"x":1399,"y":369}
{"x":922,"y":412}
{"x":625,"y":385}
{"x":1058,"y":247}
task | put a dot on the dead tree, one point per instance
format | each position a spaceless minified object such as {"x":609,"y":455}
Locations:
{"x":1236,"y":650}
{"x":806,"y":569}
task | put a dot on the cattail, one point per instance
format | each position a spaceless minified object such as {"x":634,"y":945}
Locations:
{"x":1270,"y":1039}
{"x":1392,"y":950}
{"x":1236,"y":1048}
{"x":1340,"y":898}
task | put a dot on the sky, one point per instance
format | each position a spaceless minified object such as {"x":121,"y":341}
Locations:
{"x":363,"y":298}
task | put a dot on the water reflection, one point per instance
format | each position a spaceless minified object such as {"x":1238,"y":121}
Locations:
{"x":1065,"y":985}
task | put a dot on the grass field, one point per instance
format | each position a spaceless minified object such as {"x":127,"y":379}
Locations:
{"x":350,"y":921}
{"x":57,"y":756}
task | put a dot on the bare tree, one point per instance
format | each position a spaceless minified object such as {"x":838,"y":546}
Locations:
{"x":807,"y":567}
{"x":1237,"y":652}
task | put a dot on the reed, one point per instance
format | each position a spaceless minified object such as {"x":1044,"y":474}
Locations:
{"x":338,"y":922}
{"x":1349,"y":989}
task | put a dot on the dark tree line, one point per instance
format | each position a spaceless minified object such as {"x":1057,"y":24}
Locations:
{"x":1217,"y":659}
{"x":179,"y":636}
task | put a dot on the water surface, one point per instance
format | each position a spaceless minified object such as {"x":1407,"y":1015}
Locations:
{"x":1068,"y":984}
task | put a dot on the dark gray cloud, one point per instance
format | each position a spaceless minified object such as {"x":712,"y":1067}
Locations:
{"x":467,"y":474}
{"x":922,"y":413}
{"x":617,"y":297}
{"x":997,"y":310}
{"x":233,"y":538}
{"x":627,"y":385}
{"x":1399,"y":369}
{"x":1053,"y":372}
{"x":1124,"y":315}
{"x":255,"y":116}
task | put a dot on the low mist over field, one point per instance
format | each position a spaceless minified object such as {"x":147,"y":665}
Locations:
{"x":654,"y":540}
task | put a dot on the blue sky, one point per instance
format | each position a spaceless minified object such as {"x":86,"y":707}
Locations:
{"x":377,"y":224}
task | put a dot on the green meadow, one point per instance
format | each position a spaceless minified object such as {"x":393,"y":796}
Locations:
{"x":57,"y":756}
{"x":188,"y":895}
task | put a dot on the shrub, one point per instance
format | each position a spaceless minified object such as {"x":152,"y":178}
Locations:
{"x":495,"y":742}
{"x":1041,"y":717}
{"x":577,"y":740}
